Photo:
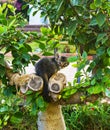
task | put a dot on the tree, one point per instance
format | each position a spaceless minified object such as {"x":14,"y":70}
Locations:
{"x":84,"y":24}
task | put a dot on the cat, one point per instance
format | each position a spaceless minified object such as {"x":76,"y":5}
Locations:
{"x":45,"y":68}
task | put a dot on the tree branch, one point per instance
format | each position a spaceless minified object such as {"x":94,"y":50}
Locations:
{"x":25,"y":81}
{"x":76,"y":99}
{"x":56,"y":84}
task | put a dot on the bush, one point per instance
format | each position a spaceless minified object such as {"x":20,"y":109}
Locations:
{"x":87,"y":117}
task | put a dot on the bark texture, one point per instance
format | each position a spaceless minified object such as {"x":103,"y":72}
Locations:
{"x":24,"y":81}
{"x":51,"y":119}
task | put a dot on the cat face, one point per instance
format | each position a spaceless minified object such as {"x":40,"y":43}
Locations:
{"x":63,"y":62}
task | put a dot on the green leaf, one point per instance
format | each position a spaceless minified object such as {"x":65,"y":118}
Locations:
{"x":105,"y":79}
{"x":42,"y":46}
{"x":11,"y":23}
{"x":72,"y":28}
{"x":93,"y":21}
{"x":40,"y":102}
{"x":24,"y":6}
{"x":105,"y":39}
{"x":34,"y":108}
{"x":92,"y":6}
{"x":73,"y":91}
{"x":100,"y":51}
{"x":85,"y":84}
{"x":84,"y":55}
{"x":26,"y":56}
{"x":2,"y":71}
{"x":72,"y":59}
{"x":11,"y":7}
{"x":59,"y":4}
{"x":98,"y":3}
{"x":8,"y":91}
{"x":29,"y":10}
{"x":78,"y":74}
{"x":34,"y":13}
{"x":17,"y":118}
{"x":35,"y":57}
{"x":81,"y":65}
{"x":6,"y":117}
{"x":67,"y":93}
{"x":29,"y":99}
{"x":3,"y":29}
{"x":108,"y":51}
{"x":93,"y":81}
{"x":44,"y":30}
{"x":75,"y":65}
{"x":60,"y":8}
{"x":29,"y":92}
{"x":0,"y":122}
{"x":101,"y":36}
{"x":96,"y":89}
{"x":4,"y":109}
{"x":3,"y":7}
{"x":101,"y":18}
{"x":99,"y":73}
{"x":47,"y":53}
{"x":82,"y":38}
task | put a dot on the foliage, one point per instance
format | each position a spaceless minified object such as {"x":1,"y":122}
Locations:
{"x":86,"y":25}
{"x":48,"y":40}
{"x":87,"y":117}
{"x":9,"y":109}
{"x":34,"y":102}
{"x":19,"y":110}
{"x":14,"y":41}
{"x":13,"y":112}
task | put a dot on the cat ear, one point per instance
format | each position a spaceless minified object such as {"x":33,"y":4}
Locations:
{"x":56,"y":55}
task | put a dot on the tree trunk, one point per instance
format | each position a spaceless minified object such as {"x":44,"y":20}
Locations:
{"x":51,"y":119}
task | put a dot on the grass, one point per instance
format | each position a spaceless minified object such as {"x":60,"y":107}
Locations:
{"x":87,"y":117}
